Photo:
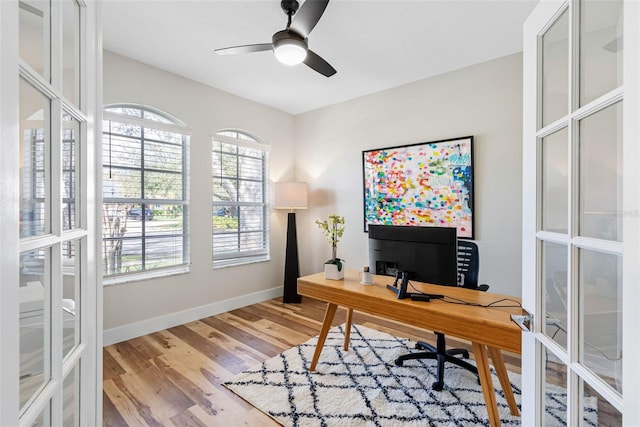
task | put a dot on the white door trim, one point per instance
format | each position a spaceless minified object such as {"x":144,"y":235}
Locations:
{"x":631,"y":211}
{"x":530,"y":377}
{"x":9,"y":205}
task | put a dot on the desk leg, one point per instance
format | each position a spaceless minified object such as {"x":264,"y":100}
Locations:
{"x":482,"y":361}
{"x":501,"y":370}
{"x":326,"y":325}
{"x":347,"y":331}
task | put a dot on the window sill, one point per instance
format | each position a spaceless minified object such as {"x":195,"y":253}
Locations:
{"x":234,"y":262}
{"x":147,"y":275}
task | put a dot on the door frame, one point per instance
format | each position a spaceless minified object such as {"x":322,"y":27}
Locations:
{"x":9,"y":226}
{"x":631,"y":209}
{"x":90,"y":348}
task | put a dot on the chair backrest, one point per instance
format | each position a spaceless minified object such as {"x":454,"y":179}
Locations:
{"x":468,"y":264}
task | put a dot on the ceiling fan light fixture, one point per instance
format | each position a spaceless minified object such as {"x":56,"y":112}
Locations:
{"x":291,"y":46}
{"x":290,"y":51}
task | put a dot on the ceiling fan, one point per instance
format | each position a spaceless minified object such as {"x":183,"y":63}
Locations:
{"x":290,"y":45}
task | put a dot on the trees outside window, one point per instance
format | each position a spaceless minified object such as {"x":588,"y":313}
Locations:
{"x":145,"y":191}
{"x":239,"y":208}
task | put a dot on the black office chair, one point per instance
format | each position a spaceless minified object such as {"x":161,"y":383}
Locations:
{"x":468,"y":266}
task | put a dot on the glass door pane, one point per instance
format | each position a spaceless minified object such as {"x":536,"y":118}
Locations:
{"x":554,"y":389}
{"x":70,"y":177}
{"x":71,"y":398}
{"x":34,"y":163}
{"x":71,"y":51}
{"x":555,"y":182}
{"x":35,"y":325}
{"x":34,"y":38}
{"x":600,"y":288}
{"x":71,"y":253}
{"x":601,"y":174}
{"x":554,"y":291}
{"x":555,"y":70}
{"x":600,"y":48}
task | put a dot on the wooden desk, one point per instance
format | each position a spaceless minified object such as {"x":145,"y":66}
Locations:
{"x":489,"y":329}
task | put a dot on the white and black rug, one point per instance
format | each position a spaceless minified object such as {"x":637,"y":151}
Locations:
{"x":363,"y":387}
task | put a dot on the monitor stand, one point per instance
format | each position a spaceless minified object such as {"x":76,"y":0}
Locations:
{"x":401,"y":291}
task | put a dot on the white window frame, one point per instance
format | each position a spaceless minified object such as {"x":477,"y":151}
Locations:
{"x":168,"y":123}
{"x":243,"y":139}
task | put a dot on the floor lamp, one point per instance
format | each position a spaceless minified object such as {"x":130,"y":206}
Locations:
{"x":291,"y":195}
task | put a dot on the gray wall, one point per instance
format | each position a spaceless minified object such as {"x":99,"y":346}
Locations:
{"x":205,"y":110}
{"x":324,"y":148}
{"x":483,"y":100}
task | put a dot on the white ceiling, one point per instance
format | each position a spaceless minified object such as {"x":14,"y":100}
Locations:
{"x":373,"y":44}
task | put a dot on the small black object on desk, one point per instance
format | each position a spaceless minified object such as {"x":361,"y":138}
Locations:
{"x":425,"y":297}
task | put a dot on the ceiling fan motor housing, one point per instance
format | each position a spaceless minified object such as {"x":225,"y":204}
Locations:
{"x":289,"y":37}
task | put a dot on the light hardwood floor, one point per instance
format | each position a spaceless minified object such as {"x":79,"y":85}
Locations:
{"x":174,"y":377}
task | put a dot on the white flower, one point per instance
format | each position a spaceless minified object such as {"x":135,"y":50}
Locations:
{"x":333,"y":228}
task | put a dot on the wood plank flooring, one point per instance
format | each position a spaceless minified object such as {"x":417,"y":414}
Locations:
{"x":174,"y":377}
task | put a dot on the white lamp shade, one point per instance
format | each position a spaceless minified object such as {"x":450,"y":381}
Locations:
{"x":291,"y":195}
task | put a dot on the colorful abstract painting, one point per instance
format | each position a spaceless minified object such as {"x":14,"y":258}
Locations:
{"x":427,"y":184}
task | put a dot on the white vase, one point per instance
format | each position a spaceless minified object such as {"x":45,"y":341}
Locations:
{"x":331,"y":272}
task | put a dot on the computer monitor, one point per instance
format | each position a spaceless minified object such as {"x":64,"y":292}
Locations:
{"x":423,"y":254}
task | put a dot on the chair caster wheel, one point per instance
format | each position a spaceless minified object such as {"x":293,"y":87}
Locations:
{"x":398,"y":362}
{"x":437,"y":386}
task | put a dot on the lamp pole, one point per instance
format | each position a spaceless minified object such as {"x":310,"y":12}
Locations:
{"x":291,"y":263}
{"x":291,"y":195}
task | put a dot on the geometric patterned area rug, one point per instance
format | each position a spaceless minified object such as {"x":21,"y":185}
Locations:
{"x":363,"y":387}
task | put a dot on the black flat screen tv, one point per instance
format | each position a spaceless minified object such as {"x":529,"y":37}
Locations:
{"x":423,"y":254}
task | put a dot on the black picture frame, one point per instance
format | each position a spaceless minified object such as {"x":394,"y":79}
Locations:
{"x":422,"y":184}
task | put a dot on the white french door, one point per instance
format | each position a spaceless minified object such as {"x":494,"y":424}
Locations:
{"x":49,"y":285}
{"x":581,"y":213}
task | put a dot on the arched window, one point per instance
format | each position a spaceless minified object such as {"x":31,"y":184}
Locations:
{"x":240,"y":221}
{"x":145,"y":192}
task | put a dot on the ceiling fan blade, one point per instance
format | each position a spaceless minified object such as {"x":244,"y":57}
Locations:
{"x":308,"y":16}
{"x":315,"y":62}
{"x":247,"y":48}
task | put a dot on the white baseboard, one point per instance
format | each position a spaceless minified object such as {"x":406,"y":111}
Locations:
{"x":133,"y":330}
